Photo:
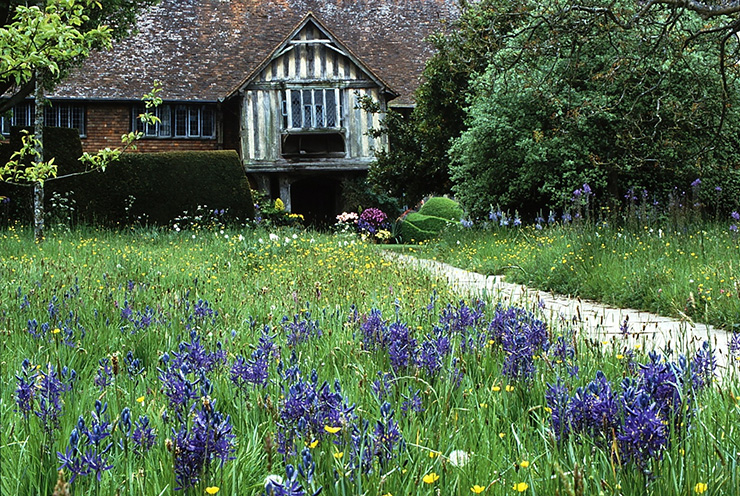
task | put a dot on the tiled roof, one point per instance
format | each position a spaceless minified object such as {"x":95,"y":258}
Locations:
{"x":202,"y":50}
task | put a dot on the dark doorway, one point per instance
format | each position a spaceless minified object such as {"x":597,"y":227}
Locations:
{"x":316,"y":199}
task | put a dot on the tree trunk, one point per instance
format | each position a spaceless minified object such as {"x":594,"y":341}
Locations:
{"x":38,"y":186}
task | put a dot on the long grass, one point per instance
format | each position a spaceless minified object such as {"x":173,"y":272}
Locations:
{"x":96,"y":295}
{"x":688,"y":273}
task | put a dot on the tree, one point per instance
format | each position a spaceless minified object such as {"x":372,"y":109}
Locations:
{"x":119,"y":17}
{"x":417,"y":163}
{"x":41,"y":44}
{"x":487,"y":53}
{"x":578,"y":96}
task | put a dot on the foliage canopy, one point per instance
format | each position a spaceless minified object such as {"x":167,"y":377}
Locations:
{"x":525,"y":101}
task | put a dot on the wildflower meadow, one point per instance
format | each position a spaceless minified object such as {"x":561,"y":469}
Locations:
{"x":287,"y":362}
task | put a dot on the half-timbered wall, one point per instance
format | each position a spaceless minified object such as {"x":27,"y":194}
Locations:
{"x":310,"y":61}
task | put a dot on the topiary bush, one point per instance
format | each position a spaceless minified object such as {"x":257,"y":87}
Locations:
{"x":432,"y":218}
{"x":442,"y":207}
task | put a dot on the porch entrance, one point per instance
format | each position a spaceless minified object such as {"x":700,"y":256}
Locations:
{"x":317,"y":199}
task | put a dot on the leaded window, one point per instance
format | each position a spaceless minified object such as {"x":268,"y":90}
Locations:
{"x":311,"y":108}
{"x":178,"y":121}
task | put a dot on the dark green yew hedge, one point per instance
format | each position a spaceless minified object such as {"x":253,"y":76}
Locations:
{"x":155,"y":188}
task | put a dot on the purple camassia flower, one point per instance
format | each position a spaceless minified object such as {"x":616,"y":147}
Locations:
{"x":463,"y":317}
{"x":561,"y":350}
{"x":662,"y":381}
{"x":522,"y":336}
{"x":362,"y":448}
{"x":594,"y":410}
{"x":134,"y":367}
{"x":194,"y":356}
{"x":557,"y":399}
{"x":301,"y":330}
{"x":696,"y":183}
{"x":644,"y":434}
{"x":253,"y":371}
{"x":104,"y":377}
{"x":432,"y":351}
{"x":734,"y":345}
{"x":143,"y":436}
{"x":382,"y":387}
{"x":92,"y":455}
{"x":412,"y":402}
{"x":373,"y":330}
{"x":660,"y":392}
{"x":387,"y":437}
{"x":26,"y":390}
{"x":308,"y":409}
{"x":401,"y":346}
{"x":289,"y":486}
{"x":208,"y":438}
{"x":703,"y":366}
{"x":49,"y":394}
{"x":177,"y":387}
{"x":519,"y":362}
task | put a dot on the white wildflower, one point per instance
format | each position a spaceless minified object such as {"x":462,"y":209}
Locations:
{"x":459,"y":458}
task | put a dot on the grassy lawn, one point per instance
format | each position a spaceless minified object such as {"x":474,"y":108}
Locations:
{"x":257,"y":362}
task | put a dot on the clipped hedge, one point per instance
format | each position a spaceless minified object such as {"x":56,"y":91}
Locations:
{"x":431,"y":219}
{"x":444,"y":208}
{"x":59,"y":142}
{"x":159,"y":187}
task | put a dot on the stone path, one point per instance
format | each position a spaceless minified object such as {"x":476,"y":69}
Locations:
{"x":591,"y":318}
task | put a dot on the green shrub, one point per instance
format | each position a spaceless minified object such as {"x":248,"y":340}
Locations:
{"x":61,"y":143}
{"x":158,"y":187}
{"x":420,"y":227}
{"x":442,"y":207}
{"x":431,"y":219}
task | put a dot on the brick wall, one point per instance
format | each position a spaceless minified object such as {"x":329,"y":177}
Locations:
{"x":107,"y":122}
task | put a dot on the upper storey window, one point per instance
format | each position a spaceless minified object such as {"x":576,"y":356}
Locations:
{"x":311,"y":108}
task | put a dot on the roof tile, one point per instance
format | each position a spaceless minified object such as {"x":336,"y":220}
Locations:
{"x":202,"y":49}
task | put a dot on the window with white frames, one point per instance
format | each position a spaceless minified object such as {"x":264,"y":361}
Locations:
{"x":311,"y":108}
{"x":56,"y":114}
{"x":178,"y":121}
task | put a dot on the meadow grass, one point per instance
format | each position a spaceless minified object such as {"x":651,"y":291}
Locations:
{"x":691,"y":273}
{"x":313,"y":352}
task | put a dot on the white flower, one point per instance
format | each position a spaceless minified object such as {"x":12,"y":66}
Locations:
{"x":261,"y":240}
{"x":240,"y":238}
{"x":287,"y":240}
{"x":459,"y":458}
{"x":273,"y":479}
{"x":274,"y":237}
{"x":295,"y":236}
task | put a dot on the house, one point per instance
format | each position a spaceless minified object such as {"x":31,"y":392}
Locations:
{"x":277,"y":80}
